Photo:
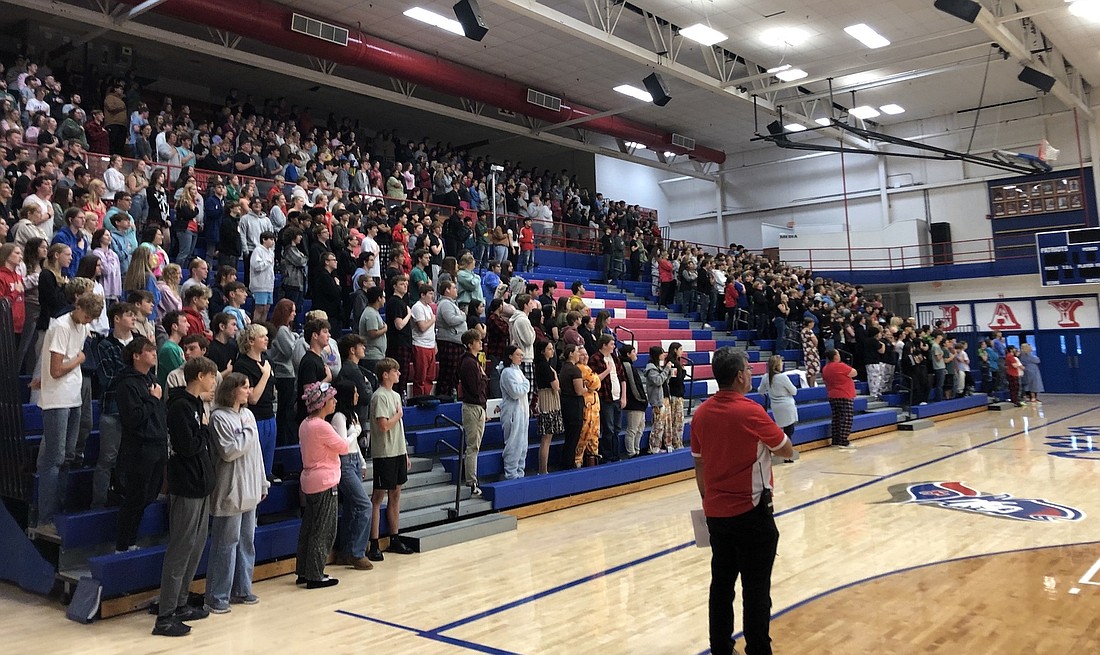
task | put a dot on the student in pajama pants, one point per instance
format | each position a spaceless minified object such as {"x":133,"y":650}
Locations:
{"x":589,"y":444}
{"x":515,"y":416}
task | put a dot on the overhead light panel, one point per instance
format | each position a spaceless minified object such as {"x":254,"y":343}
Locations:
{"x":634,"y":145}
{"x":794,"y":127}
{"x":634,"y":92}
{"x":863,"y":33}
{"x":669,"y":153}
{"x":892,"y":109}
{"x":703,"y":34}
{"x":823,"y":122}
{"x":779,"y":69}
{"x":863,"y":112}
{"x":431,"y":18}
{"x":1087,"y":9}
{"x":791,"y":74}
{"x":784,"y":36}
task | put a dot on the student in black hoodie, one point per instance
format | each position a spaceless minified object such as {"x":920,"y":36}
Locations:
{"x":143,"y":448}
{"x":190,"y":481}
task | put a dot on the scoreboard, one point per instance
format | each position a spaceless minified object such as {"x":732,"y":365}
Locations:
{"x":1069,"y":257}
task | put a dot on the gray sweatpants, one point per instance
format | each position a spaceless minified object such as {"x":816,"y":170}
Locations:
{"x":188,"y":523}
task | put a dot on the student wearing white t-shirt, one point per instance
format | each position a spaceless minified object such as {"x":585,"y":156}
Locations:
{"x":62,"y":355}
{"x":423,"y":338}
{"x":374,"y":269}
{"x":962,"y":365}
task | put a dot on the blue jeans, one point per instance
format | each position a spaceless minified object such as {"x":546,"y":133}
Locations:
{"x":59,"y":431}
{"x":937,"y":388}
{"x":780,"y":325}
{"x":526,"y":260}
{"x":481,"y":254}
{"x":353,"y":527}
{"x":185,"y":242}
{"x":500,"y":253}
{"x":232,"y":558}
{"x":268,"y":434}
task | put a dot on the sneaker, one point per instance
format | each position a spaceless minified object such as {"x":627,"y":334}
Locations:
{"x":170,"y":627}
{"x":475,"y":490}
{"x":189,"y":613}
{"x":400,"y":547}
{"x":216,"y":609}
{"x":846,"y":447}
{"x":375,"y":553}
{"x":361,"y":564}
{"x":250,"y":599}
{"x":321,"y":584}
{"x":302,"y":580}
{"x":46,"y":530}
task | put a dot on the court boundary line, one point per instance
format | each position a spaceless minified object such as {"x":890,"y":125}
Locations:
{"x":454,"y":641}
{"x":435,"y":633}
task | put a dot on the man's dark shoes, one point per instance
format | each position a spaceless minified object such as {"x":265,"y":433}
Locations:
{"x":170,"y":626}
{"x":400,"y":547}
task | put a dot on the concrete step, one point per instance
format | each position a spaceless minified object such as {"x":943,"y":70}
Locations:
{"x":876,"y":404}
{"x":918,"y":424}
{"x":450,"y":534}
{"x":422,"y":516}
{"x":436,"y":494}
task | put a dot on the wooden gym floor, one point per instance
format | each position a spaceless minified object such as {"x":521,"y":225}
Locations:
{"x":859,"y":571}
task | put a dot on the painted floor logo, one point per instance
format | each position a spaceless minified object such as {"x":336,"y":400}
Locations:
{"x":958,"y":496}
{"x":1082,"y":442}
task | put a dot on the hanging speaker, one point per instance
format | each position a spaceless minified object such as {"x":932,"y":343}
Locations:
{"x":967,"y":10}
{"x":656,"y":87}
{"x":1037,"y":79}
{"x":473,"y":23}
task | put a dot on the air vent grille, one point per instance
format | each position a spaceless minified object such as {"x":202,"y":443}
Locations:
{"x":544,"y":100}
{"x":319,"y":29}
{"x":682,"y":141}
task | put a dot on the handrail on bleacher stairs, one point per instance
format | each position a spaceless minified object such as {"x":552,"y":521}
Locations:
{"x":689,"y":383}
{"x":633,"y":340}
{"x":453,"y":513}
{"x":14,"y":464}
{"x":905,"y":387}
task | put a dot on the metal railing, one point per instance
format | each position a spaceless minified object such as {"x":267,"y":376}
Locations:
{"x":615,"y":332}
{"x":453,"y":513}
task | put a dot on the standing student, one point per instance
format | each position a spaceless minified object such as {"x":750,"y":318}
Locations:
{"x":312,"y":366}
{"x":780,"y":391}
{"x":572,"y":403}
{"x":354,"y":523}
{"x":636,"y":401}
{"x":657,"y":374}
{"x":473,"y":385}
{"x":170,"y":355}
{"x":841,"y":390}
{"x":1013,"y":371}
{"x":262,"y":276}
{"x":609,"y":370}
{"x":60,"y":400}
{"x":252,"y":361}
{"x":121,"y":316}
{"x":450,"y":325}
{"x":321,"y":450}
{"x":240,"y":484}
{"x":399,"y":327}
{"x":733,"y":473}
{"x":390,"y":457}
{"x":515,"y":417}
{"x":190,"y":481}
{"x":143,"y":453}
{"x":236,"y":293}
{"x":423,"y":339}
{"x":549,"y":397}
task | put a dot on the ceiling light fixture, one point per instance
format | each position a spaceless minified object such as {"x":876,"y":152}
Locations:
{"x":634,"y":92}
{"x":434,"y":19}
{"x":863,"y":33}
{"x":669,"y":153}
{"x":824,"y":121}
{"x":784,"y":36}
{"x":634,"y":145}
{"x":703,"y":34}
{"x":779,"y":69}
{"x":791,"y":75}
{"x":1087,"y":9}
{"x":863,"y":112}
{"x":794,"y":127}
{"x":892,"y":109}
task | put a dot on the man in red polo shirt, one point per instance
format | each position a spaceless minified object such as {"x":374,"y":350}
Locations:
{"x":732,"y":441}
{"x":841,"y":390}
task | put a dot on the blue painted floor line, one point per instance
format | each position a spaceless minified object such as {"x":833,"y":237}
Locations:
{"x":454,"y":641}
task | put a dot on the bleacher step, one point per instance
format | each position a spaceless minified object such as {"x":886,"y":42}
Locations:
{"x":412,"y":518}
{"x":917,"y":424}
{"x":450,"y":534}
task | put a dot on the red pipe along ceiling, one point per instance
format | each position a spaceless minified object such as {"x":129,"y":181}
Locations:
{"x":269,"y":22}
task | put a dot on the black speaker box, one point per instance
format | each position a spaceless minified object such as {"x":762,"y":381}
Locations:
{"x":1037,"y":79}
{"x":942,"y":251}
{"x":656,"y":87}
{"x":473,"y":23}
{"x":965,"y":9}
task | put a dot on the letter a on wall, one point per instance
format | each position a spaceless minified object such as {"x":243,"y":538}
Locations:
{"x":1004,"y":318}
{"x":1009,"y":315}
